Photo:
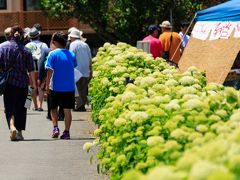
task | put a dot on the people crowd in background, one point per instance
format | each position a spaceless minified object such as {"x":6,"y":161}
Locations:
{"x":38,"y":69}
{"x":166,"y":43}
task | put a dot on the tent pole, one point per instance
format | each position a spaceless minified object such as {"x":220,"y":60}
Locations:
{"x":184,"y":35}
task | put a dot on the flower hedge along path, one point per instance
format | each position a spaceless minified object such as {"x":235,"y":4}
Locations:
{"x":165,"y":125}
{"x":112,"y":67}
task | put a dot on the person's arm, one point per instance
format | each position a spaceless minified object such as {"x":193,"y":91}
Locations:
{"x":30,"y":68}
{"x":32,"y":76}
{"x":90,"y":62}
{"x":90,"y":69}
{"x":41,"y":64}
{"x":41,"y":69}
{"x":49,"y":75}
{"x":160,"y":48}
{"x":181,"y":48}
{"x":50,"y":68}
{"x":73,"y":48}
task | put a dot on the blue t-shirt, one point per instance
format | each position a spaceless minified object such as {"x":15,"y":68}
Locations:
{"x":62,"y":62}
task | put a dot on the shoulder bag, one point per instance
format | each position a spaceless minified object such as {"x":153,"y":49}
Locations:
{"x":166,"y":54}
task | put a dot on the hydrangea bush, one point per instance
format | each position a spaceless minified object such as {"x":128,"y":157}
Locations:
{"x":115,"y":66}
{"x":165,"y":125}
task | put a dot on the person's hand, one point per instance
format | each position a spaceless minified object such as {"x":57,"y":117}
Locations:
{"x":38,"y":82}
{"x":34,"y":87}
{"x":47,"y":89}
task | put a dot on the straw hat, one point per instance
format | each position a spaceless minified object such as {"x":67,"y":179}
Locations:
{"x":166,"y":24}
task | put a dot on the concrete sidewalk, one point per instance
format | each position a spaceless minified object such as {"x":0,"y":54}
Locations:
{"x":39,"y":157}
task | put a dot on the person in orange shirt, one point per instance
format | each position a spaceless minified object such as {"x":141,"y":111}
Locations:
{"x":171,"y":42}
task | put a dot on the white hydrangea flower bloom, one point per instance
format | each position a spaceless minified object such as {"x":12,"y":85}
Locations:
{"x":193,"y":103}
{"x":188,"y":80}
{"x":119,"y":122}
{"x":139,"y":117}
{"x":154,"y":140}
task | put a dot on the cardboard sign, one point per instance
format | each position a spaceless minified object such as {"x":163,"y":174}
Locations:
{"x":214,"y":57}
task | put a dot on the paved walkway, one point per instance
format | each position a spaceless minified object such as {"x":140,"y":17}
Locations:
{"x":40,"y":157}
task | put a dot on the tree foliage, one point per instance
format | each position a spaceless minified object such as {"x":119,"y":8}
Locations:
{"x":125,"y":20}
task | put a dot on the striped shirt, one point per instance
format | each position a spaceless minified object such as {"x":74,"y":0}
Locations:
{"x":18,"y":59}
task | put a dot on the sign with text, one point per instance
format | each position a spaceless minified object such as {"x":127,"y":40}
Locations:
{"x":201,"y":30}
{"x":212,"y":30}
{"x":221,"y":30}
{"x":237,"y":30}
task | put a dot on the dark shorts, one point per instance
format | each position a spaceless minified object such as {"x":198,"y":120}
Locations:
{"x":66,"y":100}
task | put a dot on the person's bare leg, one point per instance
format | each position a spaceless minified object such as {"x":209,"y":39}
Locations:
{"x":40,"y":98}
{"x":68,"y":119}
{"x":12,"y":126}
{"x":55,"y":123}
{"x":54,"y":116}
{"x":34,"y":99}
{"x":13,"y":130}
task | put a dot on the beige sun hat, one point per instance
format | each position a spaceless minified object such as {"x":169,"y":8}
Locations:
{"x":72,"y":28}
{"x":166,"y":24}
{"x":75,"y":33}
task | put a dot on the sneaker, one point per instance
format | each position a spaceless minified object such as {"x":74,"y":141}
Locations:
{"x":13,"y":134}
{"x":19,"y":136}
{"x":65,"y":135}
{"x":56,"y":132}
{"x":40,"y":109}
{"x":35,"y":109}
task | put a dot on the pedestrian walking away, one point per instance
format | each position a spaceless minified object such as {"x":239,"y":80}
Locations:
{"x":39,"y":52}
{"x":14,"y":56}
{"x":60,"y":82}
{"x":84,"y":65}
